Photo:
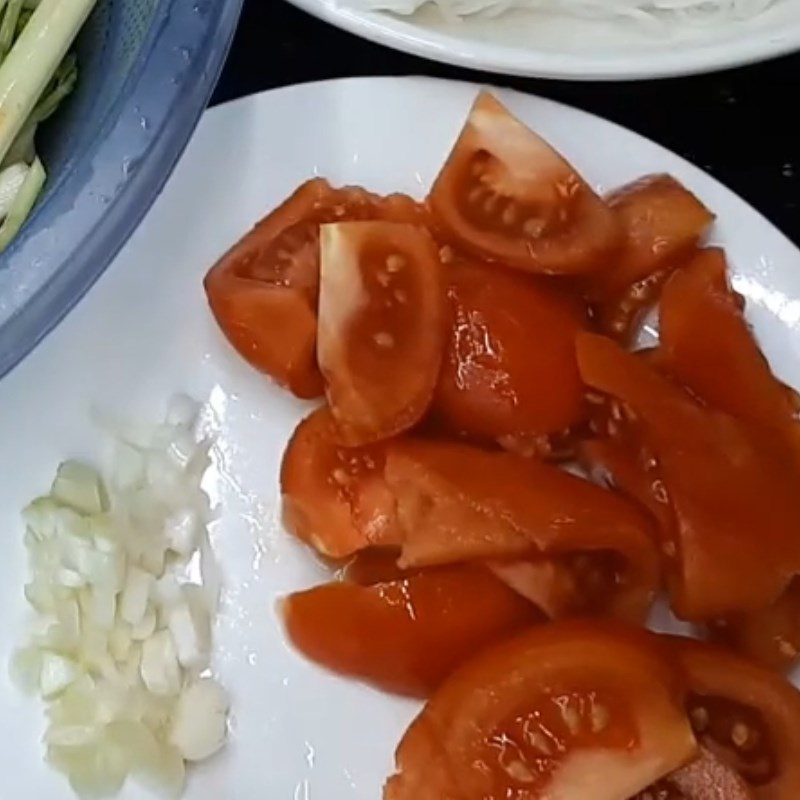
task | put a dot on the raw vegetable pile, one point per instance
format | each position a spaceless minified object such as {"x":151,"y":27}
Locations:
{"x":125,"y":586}
{"x":506,"y":484}
{"x":37,"y":72}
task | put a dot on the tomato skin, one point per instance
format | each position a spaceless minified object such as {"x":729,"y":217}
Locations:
{"x":733,"y":490}
{"x":770,"y":636}
{"x":251,"y":315}
{"x":505,"y":195}
{"x":707,"y":345}
{"x":713,"y":672}
{"x":456,"y":502}
{"x":465,"y":744}
{"x":510,"y":337}
{"x":406,"y":635}
{"x":382,"y":323}
{"x":334,"y":498}
{"x":620,"y":465}
{"x":263,"y":291}
{"x":662,"y":222}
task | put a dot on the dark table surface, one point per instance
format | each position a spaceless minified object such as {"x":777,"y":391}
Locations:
{"x":737,"y":125}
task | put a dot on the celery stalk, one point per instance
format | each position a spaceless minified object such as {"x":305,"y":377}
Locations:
{"x":24,"y":200}
{"x":33,"y":60}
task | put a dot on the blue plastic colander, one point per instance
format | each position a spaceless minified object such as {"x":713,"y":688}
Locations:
{"x":147,"y":69}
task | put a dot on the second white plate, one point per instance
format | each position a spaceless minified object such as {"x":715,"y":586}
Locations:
{"x":545,"y":45}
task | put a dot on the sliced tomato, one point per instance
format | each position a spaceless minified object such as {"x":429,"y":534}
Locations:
{"x":263,"y":292}
{"x":662,"y":222}
{"x":707,"y":345}
{"x":456,"y":502}
{"x":746,"y":715}
{"x":510,"y":337}
{"x":733,"y":491}
{"x":769,"y":635}
{"x":569,"y":711}
{"x":334,"y":497}
{"x":574,"y":584}
{"x":505,"y":195}
{"x":625,"y":467}
{"x":382,"y":322}
{"x":408,"y":634}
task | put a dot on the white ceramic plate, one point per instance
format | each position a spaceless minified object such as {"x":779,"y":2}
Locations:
{"x":143,"y":332}
{"x":555,"y":46}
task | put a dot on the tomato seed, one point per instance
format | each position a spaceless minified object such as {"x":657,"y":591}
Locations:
{"x":509,"y":215}
{"x":519,"y":772}
{"x":383,"y":339}
{"x":699,"y":717}
{"x":395,"y":263}
{"x":533,"y":227}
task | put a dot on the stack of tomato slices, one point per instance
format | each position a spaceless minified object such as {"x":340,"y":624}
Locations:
{"x":504,"y":484}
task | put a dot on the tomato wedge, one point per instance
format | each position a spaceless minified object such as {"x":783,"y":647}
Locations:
{"x":505,"y":195}
{"x":382,"y":322}
{"x":510,"y":337}
{"x":770,"y":635}
{"x":733,"y":491}
{"x":263,"y":291}
{"x":707,"y":345}
{"x":662,"y":222}
{"x":746,"y":715}
{"x":405,"y":635}
{"x":456,"y":502}
{"x":334,"y":497}
{"x":568,"y":710}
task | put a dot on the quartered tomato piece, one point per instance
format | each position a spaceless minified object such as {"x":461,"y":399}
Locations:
{"x":456,"y":502}
{"x":506,"y":195}
{"x":509,"y":371}
{"x":408,"y":634}
{"x":733,"y":491}
{"x":382,"y":322}
{"x":769,"y":635}
{"x":707,"y":345}
{"x":662,"y":223}
{"x":334,"y":497}
{"x":569,"y":711}
{"x":746,"y":715}
{"x":263,"y":292}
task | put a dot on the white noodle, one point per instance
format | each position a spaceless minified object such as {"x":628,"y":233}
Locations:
{"x":651,"y":13}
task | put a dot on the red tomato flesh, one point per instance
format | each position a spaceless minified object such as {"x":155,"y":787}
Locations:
{"x":707,"y":345}
{"x":456,"y":502}
{"x":382,"y":319}
{"x":509,"y":370}
{"x":405,"y":635}
{"x":746,"y":715}
{"x":263,"y":292}
{"x":567,"y":710}
{"x":505,"y":195}
{"x":733,"y":491}
{"x":335,"y":497}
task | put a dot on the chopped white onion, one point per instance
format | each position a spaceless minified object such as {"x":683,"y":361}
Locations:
{"x":200,"y":722}
{"x":123,"y":634}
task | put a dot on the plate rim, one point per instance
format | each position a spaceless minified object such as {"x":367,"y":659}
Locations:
{"x":407,"y":37}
